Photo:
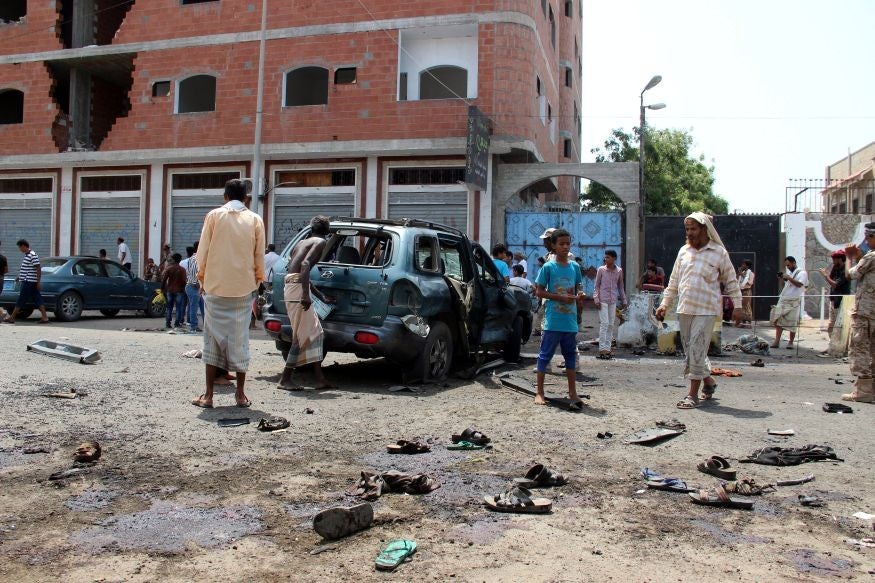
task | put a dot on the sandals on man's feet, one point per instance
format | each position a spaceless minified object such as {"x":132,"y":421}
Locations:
{"x":687,"y":402}
{"x":708,"y":391}
{"x":202,"y":402}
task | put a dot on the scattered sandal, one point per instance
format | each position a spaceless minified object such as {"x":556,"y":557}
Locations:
{"x":812,"y":501}
{"x":471,"y":435}
{"x":244,"y":404}
{"x":408,"y":447}
{"x":395,"y":553}
{"x":718,"y":467}
{"x":465,"y":445}
{"x":758,"y":363}
{"x":687,"y":402}
{"x":334,"y":523}
{"x":719,"y":497}
{"x":202,"y":402}
{"x":747,"y":487}
{"x":540,"y":476}
{"x":518,"y":500}
{"x":670,"y":485}
{"x":671,"y":424}
{"x":87,"y":451}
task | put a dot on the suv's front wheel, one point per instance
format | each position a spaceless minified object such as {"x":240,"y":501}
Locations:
{"x":436,"y":358}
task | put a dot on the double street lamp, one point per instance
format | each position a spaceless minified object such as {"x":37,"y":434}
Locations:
{"x":641,"y":139}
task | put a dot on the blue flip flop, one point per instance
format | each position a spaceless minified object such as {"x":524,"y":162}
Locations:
{"x":395,"y":553}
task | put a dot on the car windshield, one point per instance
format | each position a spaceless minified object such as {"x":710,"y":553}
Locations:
{"x":52,"y":265}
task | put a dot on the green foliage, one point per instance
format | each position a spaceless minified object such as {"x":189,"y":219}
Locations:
{"x":675,"y":183}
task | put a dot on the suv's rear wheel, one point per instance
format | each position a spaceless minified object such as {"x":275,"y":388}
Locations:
{"x":436,"y":359}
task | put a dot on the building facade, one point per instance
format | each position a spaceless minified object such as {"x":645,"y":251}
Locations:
{"x":850,"y":183}
{"x":125,"y":119}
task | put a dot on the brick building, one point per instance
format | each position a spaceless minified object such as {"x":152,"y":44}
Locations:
{"x":850,"y":183}
{"x":126,"y":118}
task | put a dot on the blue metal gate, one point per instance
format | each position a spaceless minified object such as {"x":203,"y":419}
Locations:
{"x":591,"y":234}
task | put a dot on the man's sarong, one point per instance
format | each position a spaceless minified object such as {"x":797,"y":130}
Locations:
{"x":786,"y":313}
{"x":306,"y":328}
{"x":226,"y":332}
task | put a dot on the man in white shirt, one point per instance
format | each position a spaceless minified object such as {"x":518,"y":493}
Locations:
{"x":270,"y":259}
{"x":786,"y":314}
{"x":124,"y":254}
{"x":520,"y":259}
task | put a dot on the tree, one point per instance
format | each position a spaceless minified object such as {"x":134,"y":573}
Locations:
{"x":675,"y":183}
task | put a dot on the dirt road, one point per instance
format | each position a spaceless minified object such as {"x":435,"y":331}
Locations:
{"x":175,"y":497}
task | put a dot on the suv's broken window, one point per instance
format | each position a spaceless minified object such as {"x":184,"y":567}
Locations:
{"x":427,"y":256}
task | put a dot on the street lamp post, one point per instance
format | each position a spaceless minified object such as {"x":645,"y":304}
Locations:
{"x":642,"y":127}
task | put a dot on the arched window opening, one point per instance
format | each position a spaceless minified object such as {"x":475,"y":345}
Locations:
{"x":443,"y":82}
{"x":12,"y":10}
{"x":197,"y":94}
{"x":306,"y":86}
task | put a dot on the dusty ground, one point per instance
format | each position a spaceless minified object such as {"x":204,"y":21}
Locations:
{"x":177,"y":498}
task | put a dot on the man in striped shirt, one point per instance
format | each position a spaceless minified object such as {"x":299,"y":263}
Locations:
{"x":701,"y":266}
{"x":30,"y":276}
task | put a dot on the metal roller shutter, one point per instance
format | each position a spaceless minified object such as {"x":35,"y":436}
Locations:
{"x":447,"y":208}
{"x":293,"y":211}
{"x":187,"y":218}
{"x":28,"y":218}
{"x":106,"y":219}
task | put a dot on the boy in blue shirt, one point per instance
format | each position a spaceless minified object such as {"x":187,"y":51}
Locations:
{"x":499,"y":257}
{"x":559,"y":282}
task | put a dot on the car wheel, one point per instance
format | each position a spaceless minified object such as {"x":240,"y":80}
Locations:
{"x":155,"y":310}
{"x":511,"y":351}
{"x":436,"y":358}
{"x":69,"y":307}
{"x":109,"y":313}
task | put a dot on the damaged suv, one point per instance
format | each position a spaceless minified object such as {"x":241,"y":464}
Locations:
{"x":420,"y":294}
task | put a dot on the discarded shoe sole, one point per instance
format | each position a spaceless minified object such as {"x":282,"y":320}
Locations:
{"x":718,"y":467}
{"x":719,"y":497}
{"x":652,"y":434}
{"x":837,"y":408}
{"x":272,"y":424}
{"x":334,"y":523}
{"x":781,"y":432}
{"x":88,"y":451}
{"x":233,"y":421}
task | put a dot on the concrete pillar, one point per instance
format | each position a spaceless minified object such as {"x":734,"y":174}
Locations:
{"x":83,"y":23}
{"x":633,"y":264}
{"x":80,"y":108}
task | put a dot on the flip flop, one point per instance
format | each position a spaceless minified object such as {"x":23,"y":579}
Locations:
{"x":201,"y":402}
{"x":244,"y":404}
{"x":471,"y":435}
{"x":465,"y":445}
{"x":670,"y":485}
{"x":719,"y":497}
{"x":837,"y":408}
{"x":687,"y":402}
{"x":718,"y":467}
{"x":342,"y":521}
{"x":540,"y":476}
{"x":395,"y":553}
{"x":408,"y":447}
{"x":233,"y":421}
{"x":518,"y":500}
{"x":747,"y":487}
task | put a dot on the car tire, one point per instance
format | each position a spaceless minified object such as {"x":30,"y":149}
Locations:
{"x":154,"y":310}
{"x":436,"y":359}
{"x":68,"y":307}
{"x":110,"y":313}
{"x":511,"y":352}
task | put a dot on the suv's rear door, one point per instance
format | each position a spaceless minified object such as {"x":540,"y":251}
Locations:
{"x":495,"y":310}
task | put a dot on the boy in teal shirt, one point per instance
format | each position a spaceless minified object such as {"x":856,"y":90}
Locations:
{"x":559,"y":282}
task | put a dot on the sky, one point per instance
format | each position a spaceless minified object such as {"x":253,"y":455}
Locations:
{"x":771,"y":90}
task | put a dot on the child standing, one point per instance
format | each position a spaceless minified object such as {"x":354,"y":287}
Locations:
{"x":559,"y":283}
{"x":608,"y":294}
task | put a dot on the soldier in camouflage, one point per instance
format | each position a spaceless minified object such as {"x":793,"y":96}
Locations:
{"x":862,"y":353}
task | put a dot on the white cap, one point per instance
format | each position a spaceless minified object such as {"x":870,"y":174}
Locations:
{"x":547,"y":232}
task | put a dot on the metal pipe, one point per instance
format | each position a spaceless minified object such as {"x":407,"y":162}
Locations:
{"x":257,"y":178}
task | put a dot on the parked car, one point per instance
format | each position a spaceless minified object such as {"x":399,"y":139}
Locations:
{"x":420,"y":294}
{"x":73,"y":284}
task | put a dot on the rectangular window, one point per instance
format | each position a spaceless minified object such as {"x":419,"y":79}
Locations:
{"x":567,"y":149}
{"x":345,"y":76}
{"x":313,"y":178}
{"x":569,"y":77}
{"x":111,"y":183}
{"x":843,"y":208}
{"x":160,"y":88}
{"x":401,"y":176}
{"x":855,"y":206}
{"x":203,"y":180}
{"x":569,"y":8}
{"x":868,"y":204}
{"x":402,"y":87}
{"x":25,"y":185}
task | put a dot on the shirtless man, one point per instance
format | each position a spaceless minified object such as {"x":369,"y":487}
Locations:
{"x":307,"y":334}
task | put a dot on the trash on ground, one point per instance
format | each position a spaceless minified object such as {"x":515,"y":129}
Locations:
{"x":753,"y":344}
{"x":796,"y":482}
{"x":863,"y":542}
{"x":408,"y":447}
{"x":837,"y":408}
{"x":341,"y":521}
{"x":35,"y":449}
{"x":652,"y":435}
{"x":123,"y":370}
{"x":792,"y":456}
{"x":518,"y":499}
{"x":233,"y":421}
{"x":68,"y":473}
{"x":670,"y":424}
{"x":812,"y":501}
{"x":781,"y":432}
{"x":323,"y":549}
{"x":309,"y":411}
{"x":724,"y":372}
{"x":273,"y":423}
{"x":371,"y":486}
{"x":748,"y":487}
{"x":88,"y":451}
{"x":605,"y":435}
{"x":758,"y":363}
{"x":489,"y":365}
{"x":71,"y":394}
{"x":192,"y":354}
{"x":864,"y":515}
{"x":66,"y":351}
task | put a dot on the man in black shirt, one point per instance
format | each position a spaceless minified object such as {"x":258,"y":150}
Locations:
{"x":4,"y":265}
{"x":839,"y":284}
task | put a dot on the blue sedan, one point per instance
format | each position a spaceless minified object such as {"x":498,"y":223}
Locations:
{"x":73,"y":284}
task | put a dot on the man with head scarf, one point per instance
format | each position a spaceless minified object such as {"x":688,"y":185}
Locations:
{"x":862,"y":352}
{"x":787,"y":312}
{"x":701,"y":266}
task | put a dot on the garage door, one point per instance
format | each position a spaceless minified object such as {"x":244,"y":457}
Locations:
{"x":25,"y":217}
{"x":106,"y":218}
{"x":187,"y":216}
{"x":445,"y":207}
{"x":294,"y":207}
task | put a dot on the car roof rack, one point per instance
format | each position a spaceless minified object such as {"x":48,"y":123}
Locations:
{"x":402,"y":222}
